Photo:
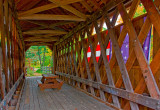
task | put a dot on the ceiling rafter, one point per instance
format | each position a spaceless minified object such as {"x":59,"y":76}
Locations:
{"x":50,"y":17}
{"x":46,"y":7}
{"x":37,"y":44}
{"x":52,"y":26}
{"x":56,"y":32}
{"x":43,"y":40}
{"x":42,"y":35}
{"x":70,"y":9}
{"x":84,"y":3}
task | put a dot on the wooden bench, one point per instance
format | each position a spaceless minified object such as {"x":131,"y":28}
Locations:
{"x":49,"y":82}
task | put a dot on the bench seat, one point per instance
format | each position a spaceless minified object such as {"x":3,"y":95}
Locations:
{"x":43,"y":86}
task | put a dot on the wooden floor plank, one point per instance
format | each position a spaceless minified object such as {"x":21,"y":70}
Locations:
{"x":23,"y":97}
{"x":27,"y":93}
{"x":68,"y":98}
{"x":35,"y":97}
{"x":31,"y":102}
{"x":85,"y":105}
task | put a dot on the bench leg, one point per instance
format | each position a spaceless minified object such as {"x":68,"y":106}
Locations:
{"x":60,"y":85}
{"x":42,"y":80}
{"x":41,"y":88}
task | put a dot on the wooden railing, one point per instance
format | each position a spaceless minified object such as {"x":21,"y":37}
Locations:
{"x":46,"y":69}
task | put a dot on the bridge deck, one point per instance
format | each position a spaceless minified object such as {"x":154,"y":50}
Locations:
{"x":68,"y":98}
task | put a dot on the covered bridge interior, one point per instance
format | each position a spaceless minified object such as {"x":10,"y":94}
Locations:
{"x":72,"y":29}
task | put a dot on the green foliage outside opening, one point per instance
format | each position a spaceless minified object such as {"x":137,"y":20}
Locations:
{"x":37,"y":57}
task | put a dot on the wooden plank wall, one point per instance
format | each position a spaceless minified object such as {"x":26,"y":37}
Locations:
{"x":134,"y":85}
{"x":11,"y":51}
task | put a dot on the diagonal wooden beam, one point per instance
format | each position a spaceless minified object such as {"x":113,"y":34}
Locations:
{"x":84,"y":3}
{"x":147,"y":73}
{"x":45,"y":32}
{"x":46,"y":7}
{"x":70,"y":9}
{"x":50,"y":17}
{"x":120,"y":61}
{"x":74,"y":11}
{"x":86,"y":63}
{"x":140,"y":88}
{"x":106,"y":63}
{"x":153,"y":13}
{"x":78,"y":49}
{"x":120,"y":41}
{"x":74,"y":61}
{"x":93,"y":56}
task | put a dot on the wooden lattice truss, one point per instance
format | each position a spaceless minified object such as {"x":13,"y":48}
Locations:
{"x":123,"y":85}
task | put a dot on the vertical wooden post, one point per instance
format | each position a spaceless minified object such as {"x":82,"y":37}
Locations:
{"x":54,"y":53}
{"x":10,"y":47}
{"x":6,"y":9}
{"x":3,"y":45}
{"x":12,"y":55}
{"x":1,"y":79}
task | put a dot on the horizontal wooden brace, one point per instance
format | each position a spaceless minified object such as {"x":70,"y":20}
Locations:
{"x":134,"y":97}
{"x":50,"y":17}
{"x":8,"y":97}
{"x":43,"y":40}
{"x":56,"y":32}
{"x":41,"y":37}
{"x":37,"y":44}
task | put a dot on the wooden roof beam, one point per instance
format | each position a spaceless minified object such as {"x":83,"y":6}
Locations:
{"x":41,"y":37}
{"x":74,"y":11}
{"x":47,"y":7}
{"x":45,"y":35}
{"x":37,"y":44}
{"x":43,"y":40}
{"x":56,"y":32}
{"x":50,"y":17}
{"x":70,"y":9}
{"x":52,"y":26}
{"x":84,"y":3}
